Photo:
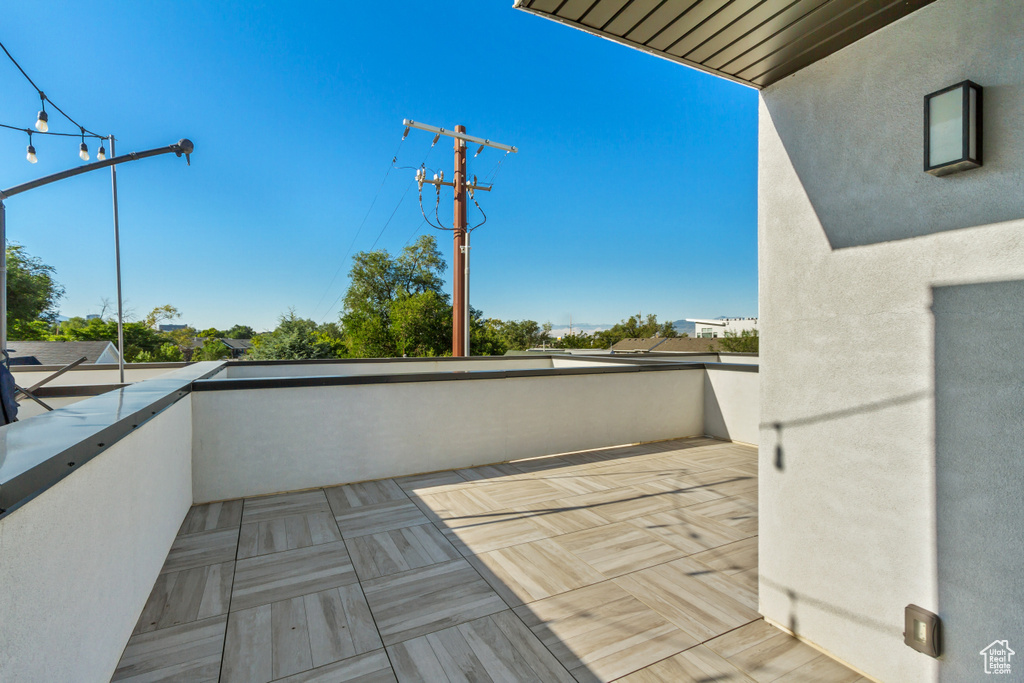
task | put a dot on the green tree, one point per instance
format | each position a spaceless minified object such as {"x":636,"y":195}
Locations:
{"x":32,"y":292}
{"x":184,"y":339}
{"x":747,"y":341}
{"x":422,"y":324}
{"x":212,"y":349}
{"x":165,"y":353}
{"x":385,"y":296}
{"x":577,"y":340}
{"x":160,"y":314}
{"x":240,"y":332}
{"x":138,"y":337}
{"x":296,"y":339}
{"x":634,"y":327}
{"x":517,"y":335}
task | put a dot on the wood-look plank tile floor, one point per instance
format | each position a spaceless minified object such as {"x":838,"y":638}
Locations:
{"x":634,"y":563}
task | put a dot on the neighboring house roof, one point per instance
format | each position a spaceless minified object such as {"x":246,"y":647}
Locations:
{"x":239,"y":344}
{"x":60,"y":352}
{"x":637,"y":344}
{"x":687,"y":345}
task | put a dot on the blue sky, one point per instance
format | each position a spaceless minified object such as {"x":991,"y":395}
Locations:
{"x":634,"y":188}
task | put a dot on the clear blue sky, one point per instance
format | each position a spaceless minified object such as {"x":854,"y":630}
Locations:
{"x":634,"y":188}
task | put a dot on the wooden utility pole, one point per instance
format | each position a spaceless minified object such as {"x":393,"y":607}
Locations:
{"x":460,"y":298}
{"x":460,"y":238}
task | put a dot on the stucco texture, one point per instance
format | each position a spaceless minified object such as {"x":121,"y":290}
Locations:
{"x":853,"y":237}
{"x":78,"y":562}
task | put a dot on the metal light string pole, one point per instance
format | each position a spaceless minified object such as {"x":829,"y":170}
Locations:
{"x":3,"y":283}
{"x":117,"y":264}
{"x":183,"y":146}
{"x":461,"y":318}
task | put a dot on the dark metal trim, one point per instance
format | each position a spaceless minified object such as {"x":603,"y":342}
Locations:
{"x":19,"y":369}
{"x":966,"y":162}
{"x":415,"y":359}
{"x":74,"y":390}
{"x":615,"y":365}
{"x":101,"y":429}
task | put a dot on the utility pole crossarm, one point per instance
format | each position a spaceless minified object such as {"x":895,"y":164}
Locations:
{"x":409,"y":123}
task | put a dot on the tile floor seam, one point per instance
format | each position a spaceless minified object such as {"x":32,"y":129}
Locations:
{"x":231,"y":594}
{"x":516,"y":615}
{"x":373,"y":617}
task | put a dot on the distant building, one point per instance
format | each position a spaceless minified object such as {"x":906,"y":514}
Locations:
{"x":170,"y":328}
{"x":710,"y":329}
{"x":61,"y":352}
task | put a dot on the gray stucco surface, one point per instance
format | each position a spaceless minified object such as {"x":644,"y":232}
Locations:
{"x":862,"y":166}
{"x":979,"y":472}
{"x":853,"y":237}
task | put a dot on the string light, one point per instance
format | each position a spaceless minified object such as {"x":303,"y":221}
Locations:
{"x":31,"y":155}
{"x":42,"y":124}
{"x":42,"y":119}
{"x":83,"y":149}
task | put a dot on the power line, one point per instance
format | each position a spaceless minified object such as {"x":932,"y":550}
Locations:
{"x":414,"y":233}
{"x":44,"y":99}
{"x":63,"y":135}
{"x":341,"y":264}
{"x":388,"y":222}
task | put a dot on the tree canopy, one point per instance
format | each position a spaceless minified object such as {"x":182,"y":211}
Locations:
{"x":296,"y":339}
{"x":747,"y":341}
{"x":396,"y":305}
{"x":32,"y":294}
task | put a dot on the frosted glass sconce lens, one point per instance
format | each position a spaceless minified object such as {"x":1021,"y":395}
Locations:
{"x":952,"y":129}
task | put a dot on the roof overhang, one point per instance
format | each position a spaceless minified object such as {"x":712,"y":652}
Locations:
{"x":754,"y":42}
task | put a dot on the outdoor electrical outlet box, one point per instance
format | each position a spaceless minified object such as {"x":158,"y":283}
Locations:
{"x":921,"y":630}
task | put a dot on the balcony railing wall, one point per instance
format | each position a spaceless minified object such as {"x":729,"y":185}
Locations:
{"x":253,"y":441}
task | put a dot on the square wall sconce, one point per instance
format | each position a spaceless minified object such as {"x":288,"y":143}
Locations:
{"x":952,"y":129}
{"x":922,"y":630}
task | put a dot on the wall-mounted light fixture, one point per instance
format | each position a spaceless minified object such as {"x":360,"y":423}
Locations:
{"x":952,"y":129}
{"x":922,"y":630}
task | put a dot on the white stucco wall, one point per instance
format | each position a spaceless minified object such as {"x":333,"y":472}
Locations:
{"x":78,"y":562}
{"x":731,"y":405}
{"x":250,"y":442}
{"x":853,"y":235}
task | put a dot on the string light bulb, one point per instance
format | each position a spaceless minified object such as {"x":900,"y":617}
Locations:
{"x":42,"y":118}
{"x":83,"y":150}
{"x":31,"y":155}
{"x":101,"y":154}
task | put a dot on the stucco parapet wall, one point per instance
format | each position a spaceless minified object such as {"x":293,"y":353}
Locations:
{"x":37,"y":453}
{"x":458,"y":375}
